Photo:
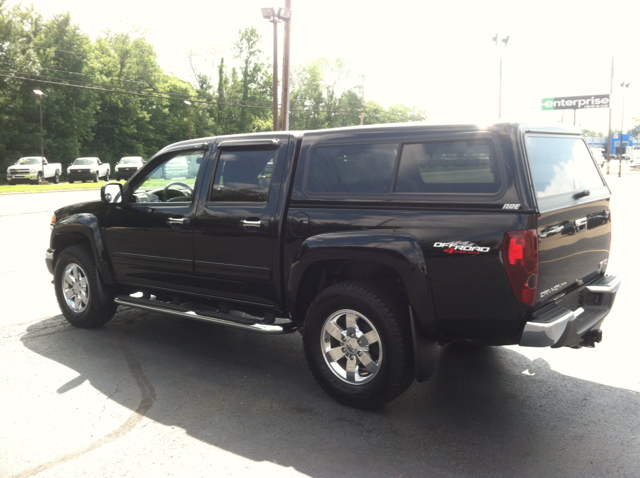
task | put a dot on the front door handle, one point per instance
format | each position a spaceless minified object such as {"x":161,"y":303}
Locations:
{"x":251,"y":224}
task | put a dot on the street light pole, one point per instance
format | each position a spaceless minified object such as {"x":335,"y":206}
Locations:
{"x":40,"y":94}
{"x":622,"y":87}
{"x":505,"y":41}
{"x":270,"y":15}
{"x":188,"y":103}
{"x":285,"y":63}
{"x":609,"y":138}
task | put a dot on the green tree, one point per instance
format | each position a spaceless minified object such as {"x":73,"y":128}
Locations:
{"x":325,"y":94}
{"x":68,"y":112}
{"x":252,"y":87}
{"x":126,"y":63}
{"x":19,"y":108}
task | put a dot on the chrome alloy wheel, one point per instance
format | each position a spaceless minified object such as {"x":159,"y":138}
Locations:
{"x":75,"y":288}
{"x":351,"y":347}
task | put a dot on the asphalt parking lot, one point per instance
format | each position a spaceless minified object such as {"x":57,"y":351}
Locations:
{"x":149,"y":395}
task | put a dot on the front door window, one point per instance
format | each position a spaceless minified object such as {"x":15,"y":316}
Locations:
{"x":171,"y":181}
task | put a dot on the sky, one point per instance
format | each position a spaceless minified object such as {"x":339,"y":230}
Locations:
{"x":438,"y":56}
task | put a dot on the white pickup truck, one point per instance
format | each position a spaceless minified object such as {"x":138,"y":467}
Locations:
{"x":33,"y":169}
{"x":88,"y":169}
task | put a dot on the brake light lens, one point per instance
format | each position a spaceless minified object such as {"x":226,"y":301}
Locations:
{"x":520,"y":254}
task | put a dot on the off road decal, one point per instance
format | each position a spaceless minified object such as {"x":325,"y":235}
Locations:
{"x":461,"y":247}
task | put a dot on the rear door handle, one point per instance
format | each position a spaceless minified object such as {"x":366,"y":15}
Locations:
{"x":182,"y":221}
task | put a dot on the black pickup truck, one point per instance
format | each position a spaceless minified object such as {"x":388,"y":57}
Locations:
{"x":378,"y":244}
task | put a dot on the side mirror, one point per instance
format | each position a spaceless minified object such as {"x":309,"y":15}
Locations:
{"x":111,"y":193}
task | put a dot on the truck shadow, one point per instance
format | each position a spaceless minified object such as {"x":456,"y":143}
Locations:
{"x":485,"y":412}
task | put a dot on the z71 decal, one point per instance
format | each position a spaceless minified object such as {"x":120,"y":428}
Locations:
{"x":461,"y":247}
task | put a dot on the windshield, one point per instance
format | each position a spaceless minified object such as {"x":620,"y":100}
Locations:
{"x":28,"y":161}
{"x":84,"y":161}
{"x":130,"y":160}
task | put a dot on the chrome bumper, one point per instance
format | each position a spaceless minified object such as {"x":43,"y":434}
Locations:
{"x":556,"y":326}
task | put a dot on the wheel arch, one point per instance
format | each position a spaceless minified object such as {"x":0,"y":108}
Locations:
{"x":390,"y":258}
{"x":80,"y":229}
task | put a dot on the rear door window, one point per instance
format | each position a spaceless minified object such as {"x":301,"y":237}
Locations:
{"x":561,"y":165}
{"x":243,"y":175}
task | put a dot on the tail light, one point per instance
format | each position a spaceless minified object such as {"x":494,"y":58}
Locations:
{"x":520,"y":254}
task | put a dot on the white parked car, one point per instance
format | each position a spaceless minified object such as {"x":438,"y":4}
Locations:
{"x":33,"y":169}
{"x":128,"y":166}
{"x":88,"y":169}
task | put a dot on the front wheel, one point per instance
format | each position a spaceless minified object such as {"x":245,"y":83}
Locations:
{"x":97,"y":178}
{"x":38,"y":179}
{"x":56,"y":178}
{"x":357,"y":341}
{"x":83,"y":300}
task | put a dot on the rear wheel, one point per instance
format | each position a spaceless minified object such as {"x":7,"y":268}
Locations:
{"x":83,"y":300}
{"x":106,"y":178}
{"x":357,"y":341}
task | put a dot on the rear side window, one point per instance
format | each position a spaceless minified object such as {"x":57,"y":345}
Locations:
{"x":243,"y":175}
{"x":359,"y":169}
{"x":463,"y":167}
{"x":561,"y":165}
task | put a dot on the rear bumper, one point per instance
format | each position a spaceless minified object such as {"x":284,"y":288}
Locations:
{"x":556,"y":326}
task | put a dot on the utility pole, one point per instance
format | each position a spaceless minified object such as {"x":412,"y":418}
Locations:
{"x":285,"y":69}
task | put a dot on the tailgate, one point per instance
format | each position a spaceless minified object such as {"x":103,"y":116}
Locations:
{"x":574,"y":225}
{"x":573,"y":247}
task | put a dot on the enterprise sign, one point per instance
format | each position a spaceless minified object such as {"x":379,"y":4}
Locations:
{"x":575,"y":102}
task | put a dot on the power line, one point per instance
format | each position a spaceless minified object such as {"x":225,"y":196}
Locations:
{"x":132,"y":93}
{"x":180,"y":97}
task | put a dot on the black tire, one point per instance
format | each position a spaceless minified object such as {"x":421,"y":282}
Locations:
{"x":106,"y":178}
{"x":70,"y":181}
{"x":86,"y":304}
{"x":97,"y":178}
{"x":11,"y":183}
{"x":389,"y":351}
{"x":38,"y":179}
{"x":56,"y":178}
